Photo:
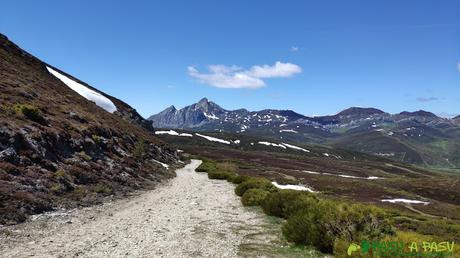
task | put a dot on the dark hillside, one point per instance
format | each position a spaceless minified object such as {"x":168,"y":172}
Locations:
{"x":57,"y":148}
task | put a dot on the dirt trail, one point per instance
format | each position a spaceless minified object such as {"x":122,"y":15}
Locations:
{"x":189,"y":216}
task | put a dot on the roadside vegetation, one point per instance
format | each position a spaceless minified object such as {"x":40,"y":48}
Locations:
{"x":328,"y":224}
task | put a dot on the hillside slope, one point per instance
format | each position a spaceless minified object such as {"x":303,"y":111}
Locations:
{"x":57,"y":148}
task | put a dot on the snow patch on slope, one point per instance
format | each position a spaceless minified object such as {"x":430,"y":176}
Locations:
{"x":161,"y":163}
{"x":405,"y":201}
{"x":213,"y":139}
{"x":272,"y":144}
{"x":211,"y":116}
{"x":86,"y":92}
{"x":172,"y":132}
{"x":293,"y":187}
{"x":295,"y":147}
{"x":288,"y":131}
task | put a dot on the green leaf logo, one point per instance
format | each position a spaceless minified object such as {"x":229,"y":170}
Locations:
{"x":352,"y":248}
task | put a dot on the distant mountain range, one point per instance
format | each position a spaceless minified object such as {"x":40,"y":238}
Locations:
{"x":418,"y":137}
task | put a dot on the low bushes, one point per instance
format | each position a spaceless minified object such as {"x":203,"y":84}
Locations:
{"x":254,"y":197}
{"x":255,"y":182}
{"x":238,"y":179}
{"x":31,"y":112}
{"x":220,"y":171}
{"x":207,"y":166}
{"x":285,"y":203}
{"x":328,"y":225}
{"x":220,"y":175}
{"x":327,"y":222}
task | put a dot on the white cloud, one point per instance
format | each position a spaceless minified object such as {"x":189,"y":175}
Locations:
{"x":294,"y":49}
{"x":277,"y":70}
{"x":225,"y":77}
{"x":222,"y":76}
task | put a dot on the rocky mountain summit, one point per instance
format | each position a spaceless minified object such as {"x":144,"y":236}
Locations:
{"x":60,"y":147}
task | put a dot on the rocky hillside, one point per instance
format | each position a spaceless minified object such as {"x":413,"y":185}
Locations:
{"x":418,"y":137}
{"x":64,"y":143}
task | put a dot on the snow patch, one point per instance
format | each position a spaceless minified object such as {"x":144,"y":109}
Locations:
{"x":405,"y":201}
{"x":295,"y":147}
{"x":86,"y":92}
{"x":311,"y":172}
{"x":161,"y":163}
{"x":273,"y":144}
{"x":288,"y":131}
{"x":211,"y":116}
{"x":172,"y":132}
{"x":213,"y":139}
{"x":342,"y":175}
{"x":293,"y":187}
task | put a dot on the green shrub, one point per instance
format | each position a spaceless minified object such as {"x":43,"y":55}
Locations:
{"x":139,"y":150}
{"x":304,"y":228}
{"x":255,"y":182}
{"x":238,"y":179}
{"x":60,"y":173}
{"x":101,"y":188}
{"x":84,"y":156}
{"x":231,"y":177}
{"x":56,"y":188}
{"x":97,"y":139}
{"x":31,"y":112}
{"x":221,"y":175}
{"x":253,"y":197}
{"x":285,"y":203}
{"x":207,"y":166}
{"x":326,"y":222}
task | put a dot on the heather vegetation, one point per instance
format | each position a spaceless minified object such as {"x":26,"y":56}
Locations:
{"x":330,"y":224}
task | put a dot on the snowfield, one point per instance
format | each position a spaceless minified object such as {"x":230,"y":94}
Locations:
{"x":405,"y":201}
{"x":172,"y":132}
{"x":213,"y":139}
{"x":86,"y":92}
{"x":293,"y":187}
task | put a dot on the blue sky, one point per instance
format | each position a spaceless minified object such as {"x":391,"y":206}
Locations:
{"x":394,"y":55}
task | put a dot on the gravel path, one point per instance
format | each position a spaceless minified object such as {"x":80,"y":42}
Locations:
{"x":189,"y":216}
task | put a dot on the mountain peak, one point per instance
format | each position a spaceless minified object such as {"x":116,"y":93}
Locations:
{"x":418,"y":113}
{"x":203,"y":101}
{"x":360,"y":111}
